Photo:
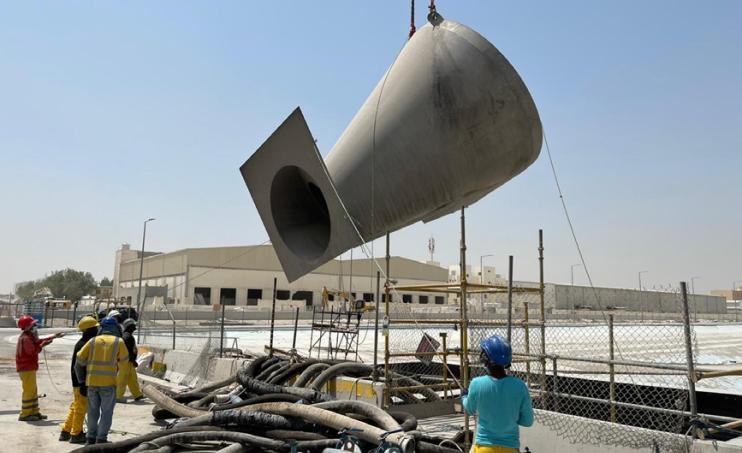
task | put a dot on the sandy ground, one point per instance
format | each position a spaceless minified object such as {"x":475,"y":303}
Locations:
{"x":128,"y":419}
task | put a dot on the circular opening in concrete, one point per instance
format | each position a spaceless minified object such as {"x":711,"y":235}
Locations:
{"x":300,"y":213}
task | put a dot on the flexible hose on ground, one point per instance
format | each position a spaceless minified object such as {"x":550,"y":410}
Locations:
{"x":170,"y":405}
{"x":253,"y":385}
{"x":235,"y":448}
{"x":330,"y":419}
{"x":266,"y":372}
{"x":268,"y":398}
{"x":407,"y":421}
{"x":208,"y":387}
{"x":340,"y":369}
{"x":285,"y":434}
{"x":291,"y":371}
{"x":310,"y":373}
{"x":240,"y":418}
{"x":376,"y":414}
{"x":252,"y":368}
{"x":425,"y":447}
{"x":127,"y":444}
{"x":201,"y":436}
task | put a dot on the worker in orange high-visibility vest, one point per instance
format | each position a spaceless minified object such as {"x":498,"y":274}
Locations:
{"x":27,"y":363}
{"x":97,"y":363}
{"x":72,"y":428}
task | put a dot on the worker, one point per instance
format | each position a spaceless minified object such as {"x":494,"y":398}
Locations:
{"x":27,"y":363}
{"x":72,"y":428}
{"x":115,"y":314}
{"x":97,"y":363}
{"x":128,"y":371}
{"x":501,"y":401}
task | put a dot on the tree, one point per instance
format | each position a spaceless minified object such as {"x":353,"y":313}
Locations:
{"x":106,"y":282}
{"x":67,"y":283}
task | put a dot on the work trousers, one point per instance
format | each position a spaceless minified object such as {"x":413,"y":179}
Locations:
{"x":127,"y":376}
{"x":29,"y":397}
{"x":76,"y":414}
{"x":101,"y":401}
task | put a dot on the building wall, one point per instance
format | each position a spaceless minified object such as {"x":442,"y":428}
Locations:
{"x":567,"y":296}
{"x":254,"y":267}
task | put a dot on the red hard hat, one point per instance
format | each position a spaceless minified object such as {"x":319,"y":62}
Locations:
{"x":25,"y":322}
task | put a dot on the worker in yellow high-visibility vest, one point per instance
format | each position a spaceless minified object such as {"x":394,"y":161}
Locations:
{"x":72,"y":428}
{"x":97,"y":363}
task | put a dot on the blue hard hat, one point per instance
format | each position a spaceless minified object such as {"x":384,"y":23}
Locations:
{"x":109,"y":321}
{"x":498,"y":350}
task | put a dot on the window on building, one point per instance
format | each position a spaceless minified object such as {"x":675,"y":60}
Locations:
{"x":202,"y":296}
{"x":331,"y":297}
{"x":283,"y":294}
{"x":422,"y":299}
{"x":253,"y":295}
{"x":368,"y":297}
{"x":406,"y":298}
{"x":440,"y":300}
{"x":306,"y":296}
{"x":352,"y":296}
{"x":227,"y":296}
{"x":384,"y":297}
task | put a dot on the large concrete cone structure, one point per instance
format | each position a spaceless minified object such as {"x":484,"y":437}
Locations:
{"x":449,"y":122}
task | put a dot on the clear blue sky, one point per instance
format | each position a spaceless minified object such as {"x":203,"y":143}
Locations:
{"x":112,"y":112}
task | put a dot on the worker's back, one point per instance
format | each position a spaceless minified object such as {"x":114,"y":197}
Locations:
{"x":501,"y":405}
{"x":101,"y":356}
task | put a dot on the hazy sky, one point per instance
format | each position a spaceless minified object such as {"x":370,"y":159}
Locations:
{"x":112,"y":112}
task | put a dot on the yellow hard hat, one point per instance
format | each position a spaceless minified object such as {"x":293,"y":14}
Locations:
{"x":87,"y":322}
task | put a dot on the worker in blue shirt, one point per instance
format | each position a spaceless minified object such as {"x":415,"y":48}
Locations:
{"x":501,"y":402}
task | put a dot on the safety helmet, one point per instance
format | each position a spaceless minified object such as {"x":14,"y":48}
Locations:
{"x":25,"y":322}
{"x":114,"y":313}
{"x":128,"y":323}
{"x":86,"y":323}
{"x":109,"y":321}
{"x":497,"y":350}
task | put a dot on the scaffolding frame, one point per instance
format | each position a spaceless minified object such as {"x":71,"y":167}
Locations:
{"x":339,"y":329}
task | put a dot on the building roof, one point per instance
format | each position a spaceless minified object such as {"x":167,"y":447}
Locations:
{"x":263,"y":257}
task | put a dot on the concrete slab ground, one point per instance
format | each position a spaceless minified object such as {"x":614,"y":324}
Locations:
{"x":128,"y":419}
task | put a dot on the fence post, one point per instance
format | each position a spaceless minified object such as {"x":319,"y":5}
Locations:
{"x":542,"y":308}
{"x":445,"y":364}
{"x":611,"y":369}
{"x":221,"y":333}
{"x":464,"y":326}
{"x":510,"y":298}
{"x":273,"y":316}
{"x":555,"y":383}
{"x":375,"y":372}
{"x":74,"y":314}
{"x":689,"y":353}
{"x":527,"y":331}
{"x":296,"y":326}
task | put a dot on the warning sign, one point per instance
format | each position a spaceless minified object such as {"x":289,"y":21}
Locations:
{"x":427,"y":344}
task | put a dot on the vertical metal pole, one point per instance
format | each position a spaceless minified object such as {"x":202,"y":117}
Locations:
{"x":141,"y":267}
{"x":555,"y":383}
{"x":611,"y":369}
{"x":689,"y":353}
{"x":445,"y":364}
{"x":173,"y":334}
{"x":387,"y":374}
{"x":375,"y":373}
{"x":464,"y":326}
{"x":351,"y":299}
{"x":542,"y":308}
{"x":74,"y":314}
{"x":221,"y":333}
{"x":510,"y":298}
{"x":273,"y":317}
{"x":527,"y":331}
{"x":296,"y":327}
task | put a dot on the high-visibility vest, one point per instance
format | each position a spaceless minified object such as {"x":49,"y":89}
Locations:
{"x":101,"y":356}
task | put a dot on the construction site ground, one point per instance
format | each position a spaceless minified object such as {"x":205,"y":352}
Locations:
{"x":128,"y":419}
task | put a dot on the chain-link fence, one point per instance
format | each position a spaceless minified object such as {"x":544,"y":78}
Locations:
{"x":605,"y":382}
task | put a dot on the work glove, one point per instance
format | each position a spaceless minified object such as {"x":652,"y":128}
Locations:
{"x":84,"y":390}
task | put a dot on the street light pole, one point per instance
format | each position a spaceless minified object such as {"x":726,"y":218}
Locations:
{"x":141,"y":267}
{"x":572,"y":273}
{"x":641,"y":299}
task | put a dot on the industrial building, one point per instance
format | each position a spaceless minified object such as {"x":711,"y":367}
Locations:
{"x":244,"y":276}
